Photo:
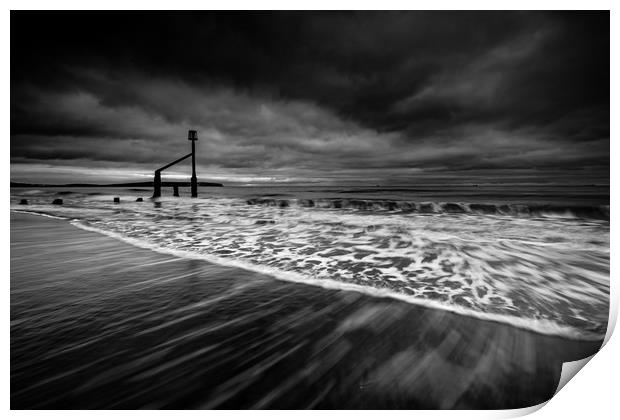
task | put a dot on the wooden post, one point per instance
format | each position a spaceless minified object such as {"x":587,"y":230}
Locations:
{"x":176,"y":190}
{"x":193,"y":136}
{"x":157,"y":184}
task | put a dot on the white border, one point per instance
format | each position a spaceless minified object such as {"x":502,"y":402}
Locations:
{"x":312,"y":5}
{"x":593,"y":393}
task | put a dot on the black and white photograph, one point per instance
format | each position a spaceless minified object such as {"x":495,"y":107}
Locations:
{"x":330,"y":210}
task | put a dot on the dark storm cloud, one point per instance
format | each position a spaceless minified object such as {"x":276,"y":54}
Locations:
{"x":314,"y":92}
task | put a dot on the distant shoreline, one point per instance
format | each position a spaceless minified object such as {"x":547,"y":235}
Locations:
{"x":125,"y":184}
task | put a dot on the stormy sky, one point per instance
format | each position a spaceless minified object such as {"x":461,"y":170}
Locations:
{"x":334,"y":97}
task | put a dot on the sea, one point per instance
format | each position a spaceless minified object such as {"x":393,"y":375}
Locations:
{"x":529,"y":255}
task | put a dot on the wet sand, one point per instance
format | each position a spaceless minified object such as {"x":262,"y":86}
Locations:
{"x":97,"y":323}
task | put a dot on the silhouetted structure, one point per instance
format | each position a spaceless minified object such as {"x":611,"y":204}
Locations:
{"x":192,"y":135}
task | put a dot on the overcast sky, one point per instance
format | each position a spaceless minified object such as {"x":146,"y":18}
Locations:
{"x":394,"y":97}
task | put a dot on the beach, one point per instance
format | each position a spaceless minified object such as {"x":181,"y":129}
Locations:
{"x":307,"y":209}
{"x":99,"y":323}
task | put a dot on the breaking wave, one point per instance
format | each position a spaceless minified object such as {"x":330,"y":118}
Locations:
{"x":542,"y":210}
{"x":536,"y":267}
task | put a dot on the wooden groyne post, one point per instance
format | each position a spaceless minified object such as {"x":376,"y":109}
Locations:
{"x":192,"y":135}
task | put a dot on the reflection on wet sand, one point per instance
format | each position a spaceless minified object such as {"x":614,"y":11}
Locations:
{"x":96,"y":323}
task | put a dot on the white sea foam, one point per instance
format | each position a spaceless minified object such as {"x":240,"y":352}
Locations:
{"x":38,"y":213}
{"x":550,"y":275}
{"x":538,"y":325}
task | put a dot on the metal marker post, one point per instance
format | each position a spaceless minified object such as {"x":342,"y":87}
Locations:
{"x":192,"y":135}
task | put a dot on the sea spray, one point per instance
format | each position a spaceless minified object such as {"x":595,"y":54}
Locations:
{"x":547,"y":274}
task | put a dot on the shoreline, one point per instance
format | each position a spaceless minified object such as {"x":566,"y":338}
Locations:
{"x":549,"y":328}
{"x":425,"y":357}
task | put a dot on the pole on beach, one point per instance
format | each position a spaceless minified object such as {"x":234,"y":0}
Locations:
{"x":192,"y":135}
{"x":157,"y":184}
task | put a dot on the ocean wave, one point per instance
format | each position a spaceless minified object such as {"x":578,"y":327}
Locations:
{"x":542,"y":326}
{"x":522,"y":210}
{"x":547,"y":274}
{"x":40,"y":213}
